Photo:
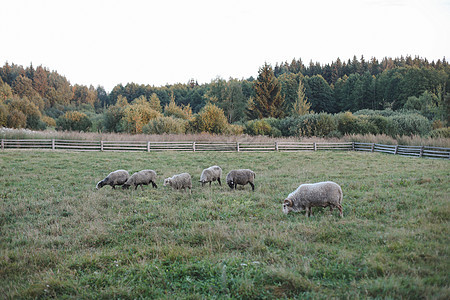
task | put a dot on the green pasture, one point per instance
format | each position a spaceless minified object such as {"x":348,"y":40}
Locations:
{"x":60,"y":237}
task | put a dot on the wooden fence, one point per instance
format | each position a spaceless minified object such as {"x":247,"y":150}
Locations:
{"x":85,"y":145}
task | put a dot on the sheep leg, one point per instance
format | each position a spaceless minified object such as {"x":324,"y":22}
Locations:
{"x":142,"y":186}
{"x":235,"y":185}
{"x":340,"y":210}
{"x":190,"y":190}
{"x":136,"y":186}
{"x":308,"y":210}
{"x":253,"y":186}
{"x":154,"y":185}
{"x":113,"y":186}
{"x":218,"y":179}
{"x":203,"y":184}
{"x":210,"y":183}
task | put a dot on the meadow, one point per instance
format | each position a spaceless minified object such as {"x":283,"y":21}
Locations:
{"x":62,"y":238}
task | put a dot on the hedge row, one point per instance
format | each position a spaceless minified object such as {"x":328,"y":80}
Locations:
{"x":328,"y":125}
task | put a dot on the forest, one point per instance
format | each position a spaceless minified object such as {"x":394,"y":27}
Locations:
{"x":394,"y":96}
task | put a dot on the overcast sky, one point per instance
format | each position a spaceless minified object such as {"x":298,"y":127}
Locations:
{"x":169,"y":41}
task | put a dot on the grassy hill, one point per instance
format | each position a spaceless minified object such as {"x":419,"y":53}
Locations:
{"x":62,"y":238}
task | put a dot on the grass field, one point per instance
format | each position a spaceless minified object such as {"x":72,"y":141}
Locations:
{"x":59,"y":237}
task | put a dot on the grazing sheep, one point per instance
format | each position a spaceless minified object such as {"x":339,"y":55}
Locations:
{"x":211,"y":174}
{"x":242,"y":177}
{"x":179,"y":181}
{"x":141,"y":178}
{"x":321,"y":194}
{"x":118,"y":177}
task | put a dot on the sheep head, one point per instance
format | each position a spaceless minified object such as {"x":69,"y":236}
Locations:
{"x":167,"y":181}
{"x":99,"y":185}
{"x":231,"y":184}
{"x":288,"y":206}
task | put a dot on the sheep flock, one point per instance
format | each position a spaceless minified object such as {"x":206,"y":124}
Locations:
{"x":304,"y":198}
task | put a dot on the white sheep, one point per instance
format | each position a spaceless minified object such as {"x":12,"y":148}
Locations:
{"x":118,"y":177}
{"x":211,"y":174}
{"x":242,"y":177}
{"x":141,"y":178}
{"x":179,"y":181}
{"x":321,"y":194}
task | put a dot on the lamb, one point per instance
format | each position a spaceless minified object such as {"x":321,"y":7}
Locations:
{"x":141,"y":178}
{"x":211,"y":174}
{"x":242,"y":177}
{"x":321,"y":194}
{"x":179,"y":181}
{"x":118,"y":177}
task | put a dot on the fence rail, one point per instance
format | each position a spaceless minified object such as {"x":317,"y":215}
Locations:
{"x":85,"y":145}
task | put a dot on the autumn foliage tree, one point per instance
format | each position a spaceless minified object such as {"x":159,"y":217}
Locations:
{"x":138,"y":114}
{"x":172,"y":109}
{"x":210,"y":119}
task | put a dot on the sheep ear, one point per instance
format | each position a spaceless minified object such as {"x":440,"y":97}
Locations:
{"x":288,"y":202}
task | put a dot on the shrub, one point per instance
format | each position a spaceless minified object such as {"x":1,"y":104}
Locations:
{"x":319,"y":125}
{"x":35,"y":122}
{"x":137,"y":115}
{"x":370,"y":112}
{"x":347,"y":123}
{"x":380,"y":123}
{"x":49,"y":121}
{"x":408,"y":124}
{"x":165,"y":125}
{"x":112,"y":119}
{"x":73,"y":120}
{"x":258,"y":127}
{"x":3,"y":115}
{"x":16,"y":119}
{"x":440,"y":133}
{"x":210,"y":119}
{"x":290,"y":126}
{"x":234,"y":129}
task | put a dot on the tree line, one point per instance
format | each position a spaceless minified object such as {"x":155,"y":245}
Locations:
{"x":37,"y":98}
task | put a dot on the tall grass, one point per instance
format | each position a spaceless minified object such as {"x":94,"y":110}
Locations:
{"x":7,"y":133}
{"x":62,"y":238}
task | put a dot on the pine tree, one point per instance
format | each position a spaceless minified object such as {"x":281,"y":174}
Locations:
{"x":268,"y":101}
{"x":301,"y":105}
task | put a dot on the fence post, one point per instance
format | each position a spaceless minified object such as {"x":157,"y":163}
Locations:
{"x":53,"y":144}
{"x":421,"y":151}
{"x":101,"y":145}
{"x":237,"y":146}
{"x":353,"y":146}
{"x":373,"y":147}
{"x":315,"y":147}
{"x":276,"y":146}
{"x":396,"y":149}
{"x":148,"y":146}
{"x":193,"y":146}
{"x":3,"y":144}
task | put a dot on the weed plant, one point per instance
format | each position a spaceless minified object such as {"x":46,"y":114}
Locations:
{"x":62,"y":238}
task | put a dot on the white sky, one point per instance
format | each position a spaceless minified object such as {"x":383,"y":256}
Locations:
{"x":169,"y":41}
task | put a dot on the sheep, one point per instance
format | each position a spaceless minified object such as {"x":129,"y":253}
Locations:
{"x":211,"y":174}
{"x":118,"y":177}
{"x":242,"y":177}
{"x":179,"y":181}
{"x":141,"y":178}
{"x":321,"y":194}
